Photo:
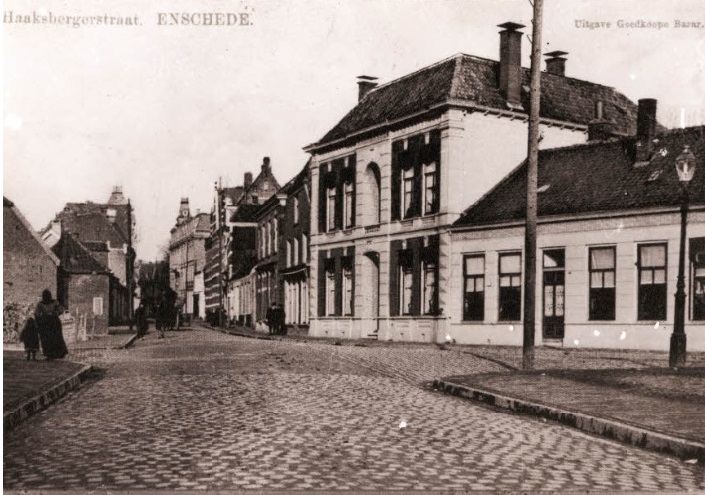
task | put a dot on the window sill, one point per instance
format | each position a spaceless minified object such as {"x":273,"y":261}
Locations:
{"x":372,"y":228}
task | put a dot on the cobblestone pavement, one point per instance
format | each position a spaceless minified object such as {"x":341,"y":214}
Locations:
{"x":203,"y":410}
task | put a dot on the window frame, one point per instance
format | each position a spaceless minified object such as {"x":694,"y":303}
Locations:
{"x":330,"y":292}
{"x":428,"y":305}
{"x":407,"y":180}
{"x":646,"y":309}
{"x":504,"y":293}
{"x":598,"y":295}
{"x":430,"y":172}
{"x":330,"y":209}
{"x":405,"y":276}
{"x":474,"y":277}
{"x":348,"y":199}
{"x":347,"y":288}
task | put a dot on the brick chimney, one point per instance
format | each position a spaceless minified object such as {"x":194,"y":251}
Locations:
{"x":555,"y":63}
{"x":364,"y":85}
{"x":600,"y":128}
{"x":266,"y":167}
{"x":248,"y":180}
{"x":645,"y":129}
{"x":510,"y":62}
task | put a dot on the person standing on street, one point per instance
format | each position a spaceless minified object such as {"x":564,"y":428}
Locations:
{"x":141,"y":321}
{"x":281,"y":320}
{"x":46,"y":316}
{"x":271,"y":318}
{"x":30,"y":339}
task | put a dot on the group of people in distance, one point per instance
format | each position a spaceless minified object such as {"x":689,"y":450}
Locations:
{"x":44,"y":329}
{"x":276,"y":318}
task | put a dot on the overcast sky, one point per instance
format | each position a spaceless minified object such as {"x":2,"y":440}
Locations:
{"x":164,"y":111}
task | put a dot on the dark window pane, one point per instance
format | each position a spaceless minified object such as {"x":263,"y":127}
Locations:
{"x":602,"y":305}
{"x":510,"y":303}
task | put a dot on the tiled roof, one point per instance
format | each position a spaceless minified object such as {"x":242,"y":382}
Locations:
{"x":298,"y":181}
{"x":92,"y":227}
{"x":96,"y":246}
{"x":596,"y":177}
{"x":204,"y":222}
{"x":245,"y":213}
{"x":234,"y":193}
{"x":473,"y":80}
{"x":75,"y":257}
{"x":6,"y":203}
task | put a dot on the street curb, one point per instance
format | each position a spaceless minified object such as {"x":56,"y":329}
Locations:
{"x":129,"y":342}
{"x":621,"y":432}
{"x":44,"y":399}
{"x":238,"y":334}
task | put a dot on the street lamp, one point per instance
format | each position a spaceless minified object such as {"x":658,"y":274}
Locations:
{"x":685,"y":166}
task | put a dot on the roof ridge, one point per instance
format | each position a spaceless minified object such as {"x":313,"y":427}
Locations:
{"x":406,"y":76}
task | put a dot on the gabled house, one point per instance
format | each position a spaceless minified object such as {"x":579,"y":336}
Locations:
{"x":29,"y":267}
{"x":226,"y":200}
{"x":105,"y":229}
{"x":608,"y":246}
{"x":391,"y":177}
{"x":86,"y":286}
{"x":242,"y":258}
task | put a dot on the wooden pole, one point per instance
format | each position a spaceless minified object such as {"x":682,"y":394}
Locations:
{"x":531,"y":186}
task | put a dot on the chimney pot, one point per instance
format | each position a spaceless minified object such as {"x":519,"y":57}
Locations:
{"x":510,"y":62}
{"x":645,"y":128}
{"x":365,"y":84}
{"x":555,"y":64}
{"x":266,"y":167}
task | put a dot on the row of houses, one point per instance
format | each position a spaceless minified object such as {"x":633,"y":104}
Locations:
{"x":84,"y":256}
{"x":407,"y":222}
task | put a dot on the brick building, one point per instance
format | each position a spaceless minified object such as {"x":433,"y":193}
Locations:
{"x":226,"y":202}
{"x":29,"y":267}
{"x":393,"y":175}
{"x":608,"y":246}
{"x":86,"y":286}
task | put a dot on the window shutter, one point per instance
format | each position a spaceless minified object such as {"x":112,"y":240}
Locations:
{"x":322,"y":197}
{"x":397,"y":150}
{"x":394,"y":248}
{"x":321,"y":285}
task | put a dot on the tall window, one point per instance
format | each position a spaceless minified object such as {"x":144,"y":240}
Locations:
{"x":347,"y":291}
{"x":474,"y":293}
{"x":407,"y":188}
{"x":652,"y":281}
{"x":274,"y":235}
{"x":348,"y":206}
{"x":330,"y":210}
{"x":296,"y":209}
{"x":288,"y":253}
{"x":406,"y":283}
{"x":330,"y":292}
{"x":510,"y":286}
{"x":697,"y":255}
{"x":429,"y":188}
{"x":429,"y":271}
{"x":602,"y":283}
{"x":295,"y":254}
{"x":304,"y":248}
{"x":267,"y":231}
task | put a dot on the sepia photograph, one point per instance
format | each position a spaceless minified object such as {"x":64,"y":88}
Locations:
{"x":362,"y":246}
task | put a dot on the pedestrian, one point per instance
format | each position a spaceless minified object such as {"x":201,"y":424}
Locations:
{"x":281,"y":320}
{"x":272,"y":318}
{"x":30,"y":339}
{"x":46,"y":316}
{"x":141,"y":321}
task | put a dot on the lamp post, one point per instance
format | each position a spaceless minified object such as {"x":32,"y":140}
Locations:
{"x":685,"y":166}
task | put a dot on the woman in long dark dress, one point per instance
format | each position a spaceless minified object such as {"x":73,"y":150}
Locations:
{"x":47,"y":319}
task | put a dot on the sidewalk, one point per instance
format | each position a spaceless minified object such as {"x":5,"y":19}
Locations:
{"x":656,"y":408}
{"x":30,"y":386}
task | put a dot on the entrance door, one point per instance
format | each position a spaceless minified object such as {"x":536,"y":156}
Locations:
{"x":553,"y":293}
{"x":195,"y":306}
{"x":371,"y":291}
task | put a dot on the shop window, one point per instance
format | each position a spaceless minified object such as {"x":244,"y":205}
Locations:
{"x":697,"y":257}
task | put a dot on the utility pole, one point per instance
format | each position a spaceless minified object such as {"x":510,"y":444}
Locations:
{"x":531,"y":186}
{"x":220,"y":253}
{"x":130,"y":265}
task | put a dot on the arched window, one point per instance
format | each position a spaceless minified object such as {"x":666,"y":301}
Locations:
{"x":372,"y":175}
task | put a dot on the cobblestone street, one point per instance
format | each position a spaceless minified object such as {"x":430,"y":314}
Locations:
{"x":204,"y":410}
